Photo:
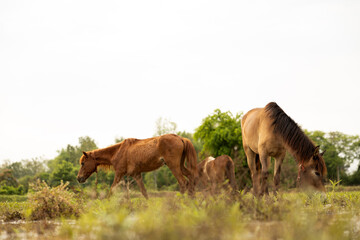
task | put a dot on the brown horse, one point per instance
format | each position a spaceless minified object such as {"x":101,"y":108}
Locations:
{"x":269,"y":132}
{"x":213,"y":170}
{"x":132,"y":157}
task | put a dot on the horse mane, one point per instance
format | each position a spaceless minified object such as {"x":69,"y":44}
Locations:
{"x":129,"y":141}
{"x":294,"y":138}
{"x":105,"y":167}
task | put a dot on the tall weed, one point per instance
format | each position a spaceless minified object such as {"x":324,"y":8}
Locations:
{"x":49,"y":203}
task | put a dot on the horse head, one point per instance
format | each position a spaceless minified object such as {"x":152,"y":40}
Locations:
{"x":312,"y":172}
{"x":88,"y":166}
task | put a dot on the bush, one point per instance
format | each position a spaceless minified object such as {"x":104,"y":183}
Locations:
{"x":10,"y":190}
{"x":11,"y":211}
{"x":48,"y":203}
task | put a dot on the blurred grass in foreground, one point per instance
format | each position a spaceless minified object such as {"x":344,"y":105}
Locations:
{"x":170,"y":215}
{"x":287,"y":216}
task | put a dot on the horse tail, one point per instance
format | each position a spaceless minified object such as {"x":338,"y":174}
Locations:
{"x":191,"y":169}
{"x":230,"y":173}
{"x":190,"y":154}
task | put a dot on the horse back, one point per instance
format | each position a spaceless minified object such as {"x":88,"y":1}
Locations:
{"x":250,"y":124}
{"x":149,"y":154}
{"x":258,"y":132}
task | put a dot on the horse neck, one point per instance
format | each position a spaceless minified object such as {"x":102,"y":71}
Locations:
{"x":105,"y":155}
{"x":302,"y":153}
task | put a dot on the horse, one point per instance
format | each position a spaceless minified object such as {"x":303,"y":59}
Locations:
{"x":270,"y":132}
{"x":132,"y":157}
{"x":213,"y":170}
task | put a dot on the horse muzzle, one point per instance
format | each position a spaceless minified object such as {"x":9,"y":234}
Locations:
{"x":81,"y":179}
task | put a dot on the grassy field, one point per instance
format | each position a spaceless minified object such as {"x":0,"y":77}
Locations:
{"x":169,"y":215}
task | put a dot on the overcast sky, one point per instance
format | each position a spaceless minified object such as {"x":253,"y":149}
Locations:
{"x":107,"y":69}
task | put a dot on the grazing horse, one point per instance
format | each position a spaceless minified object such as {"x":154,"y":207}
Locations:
{"x":132,"y":157}
{"x":269,"y":132}
{"x":213,"y":170}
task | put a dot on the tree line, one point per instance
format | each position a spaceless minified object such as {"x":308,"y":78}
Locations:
{"x":218,"y":134}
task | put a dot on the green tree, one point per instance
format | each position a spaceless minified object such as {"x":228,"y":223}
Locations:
{"x":65,"y":172}
{"x":23,"y":172}
{"x":66,"y":165}
{"x":354,"y":178}
{"x":220,"y":133}
{"x":25,"y":167}
{"x":72,"y":154}
{"x":8,"y":184}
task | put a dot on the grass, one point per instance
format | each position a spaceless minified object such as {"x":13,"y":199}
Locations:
{"x":13,"y":198}
{"x":170,"y":215}
{"x":287,"y":216}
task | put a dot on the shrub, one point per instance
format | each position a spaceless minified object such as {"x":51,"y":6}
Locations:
{"x":48,"y":203}
{"x":11,"y":211}
{"x":10,"y":190}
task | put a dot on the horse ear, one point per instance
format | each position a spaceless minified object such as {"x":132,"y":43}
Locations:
{"x":85,"y":154}
{"x":317,"y":149}
{"x":322,"y":154}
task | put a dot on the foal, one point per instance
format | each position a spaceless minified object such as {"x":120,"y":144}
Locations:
{"x":214,"y":170}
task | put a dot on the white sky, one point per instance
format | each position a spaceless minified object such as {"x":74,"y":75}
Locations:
{"x":111,"y":68}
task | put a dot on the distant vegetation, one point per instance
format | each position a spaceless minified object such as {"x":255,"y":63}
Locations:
{"x":219,"y":133}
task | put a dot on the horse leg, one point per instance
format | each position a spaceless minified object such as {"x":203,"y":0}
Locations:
{"x":277,"y":170}
{"x":118,"y":177}
{"x":254,"y":169}
{"x":189,"y":176}
{"x":179,"y":177}
{"x":265,"y":163}
{"x":213,"y":187}
{"x":140,"y":183}
{"x":220,"y":178}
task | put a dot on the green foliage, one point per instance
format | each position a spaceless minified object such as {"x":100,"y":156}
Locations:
{"x":174,"y":216}
{"x":7,"y":178}
{"x":26,"y":167}
{"x":49,"y":203}
{"x":66,"y":165}
{"x":64,"y":171}
{"x":164,"y":178}
{"x":9,"y":185}
{"x":353,"y":179}
{"x":221,"y":134}
{"x":169,"y":215}
{"x":334,"y":184}
{"x":11,"y":211}
{"x":72,"y":154}
{"x":13,"y":198}
{"x":10,"y":190}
